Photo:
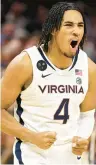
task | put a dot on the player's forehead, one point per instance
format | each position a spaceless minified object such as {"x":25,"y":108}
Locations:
{"x":72,"y":16}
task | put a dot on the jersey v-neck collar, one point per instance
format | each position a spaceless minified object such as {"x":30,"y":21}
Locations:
{"x":45,"y":58}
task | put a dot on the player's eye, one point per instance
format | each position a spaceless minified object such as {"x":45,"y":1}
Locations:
{"x":68,"y":25}
{"x":81,"y":25}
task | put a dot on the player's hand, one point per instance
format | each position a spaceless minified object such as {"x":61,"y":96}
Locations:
{"x":45,"y":140}
{"x":79,"y":145}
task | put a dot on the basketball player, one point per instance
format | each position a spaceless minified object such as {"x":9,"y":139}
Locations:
{"x":54,"y":85}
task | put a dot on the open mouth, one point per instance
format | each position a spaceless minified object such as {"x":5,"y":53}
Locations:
{"x":73,"y":43}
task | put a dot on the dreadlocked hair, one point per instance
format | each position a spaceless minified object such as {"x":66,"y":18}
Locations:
{"x":54,"y":21}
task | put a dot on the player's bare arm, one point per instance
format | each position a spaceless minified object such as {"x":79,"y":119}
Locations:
{"x":18,"y":75}
{"x":87,"y":108}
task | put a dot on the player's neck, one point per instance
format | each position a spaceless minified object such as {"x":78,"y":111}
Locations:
{"x":57,"y":57}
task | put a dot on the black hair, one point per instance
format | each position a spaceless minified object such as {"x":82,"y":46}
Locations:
{"x":54,"y":20}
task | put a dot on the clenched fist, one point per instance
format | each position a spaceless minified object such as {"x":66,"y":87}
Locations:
{"x":44,"y":140}
{"x":80,"y":145}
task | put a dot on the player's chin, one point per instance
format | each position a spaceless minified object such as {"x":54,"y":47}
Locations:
{"x":71,"y":55}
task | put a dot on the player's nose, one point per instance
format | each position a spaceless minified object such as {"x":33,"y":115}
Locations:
{"x":76,"y":31}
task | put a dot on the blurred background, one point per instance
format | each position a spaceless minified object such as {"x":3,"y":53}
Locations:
{"x":21,"y":24}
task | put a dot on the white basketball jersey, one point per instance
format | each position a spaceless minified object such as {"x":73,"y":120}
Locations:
{"x":51,"y":102}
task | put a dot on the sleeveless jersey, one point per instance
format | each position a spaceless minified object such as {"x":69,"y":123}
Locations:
{"x":52,"y":100}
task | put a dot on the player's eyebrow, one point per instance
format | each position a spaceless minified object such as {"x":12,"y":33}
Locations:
{"x":73,"y":22}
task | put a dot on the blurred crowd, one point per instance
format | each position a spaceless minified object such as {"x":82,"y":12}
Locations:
{"x":21,"y":28}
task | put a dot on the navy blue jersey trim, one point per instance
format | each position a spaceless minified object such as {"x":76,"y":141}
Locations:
{"x":18,"y":144}
{"x":18,"y":151}
{"x":45,"y":59}
{"x":75,"y":60}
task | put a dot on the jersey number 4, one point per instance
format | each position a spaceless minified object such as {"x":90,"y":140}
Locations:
{"x":64,"y":105}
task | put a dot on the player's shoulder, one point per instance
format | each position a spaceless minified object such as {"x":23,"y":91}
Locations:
{"x":20,"y":66}
{"x":23,"y":60}
{"x":20,"y":62}
{"x":91,"y":66}
{"x":82,"y":53}
{"x":82,"y":56}
{"x":91,"y":70}
{"x":31,"y":49}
